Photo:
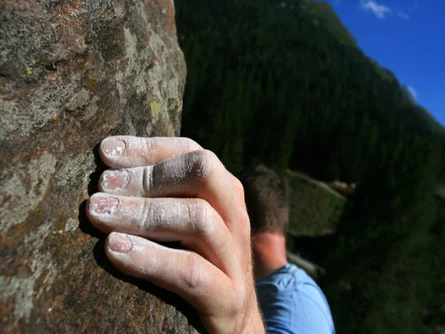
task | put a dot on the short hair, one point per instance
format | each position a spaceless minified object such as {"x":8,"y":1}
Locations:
{"x":266,"y":198}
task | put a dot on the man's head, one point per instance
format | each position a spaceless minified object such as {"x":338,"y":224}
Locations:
{"x":266,"y":200}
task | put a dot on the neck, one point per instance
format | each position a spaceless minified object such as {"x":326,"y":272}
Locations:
{"x":269,"y":252}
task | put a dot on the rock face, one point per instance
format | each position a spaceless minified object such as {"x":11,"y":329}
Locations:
{"x":71,"y":73}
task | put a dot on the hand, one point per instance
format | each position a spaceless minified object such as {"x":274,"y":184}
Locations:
{"x":170,"y":189}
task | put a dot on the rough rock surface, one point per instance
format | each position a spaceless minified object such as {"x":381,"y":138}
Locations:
{"x":71,"y":73}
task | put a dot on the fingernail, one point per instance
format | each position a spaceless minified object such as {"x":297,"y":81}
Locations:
{"x":103,"y":204}
{"x":111,"y":180}
{"x":119,"y":243}
{"x":113,"y":147}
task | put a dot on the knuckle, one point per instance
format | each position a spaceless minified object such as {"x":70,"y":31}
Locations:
{"x":239,"y":188}
{"x":245,"y":223}
{"x":145,"y":215}
{"x":191,"y":145}
{"x":200,"y":217}
{"x":148,"y":216}
{"x":193,"y":272}
{"x":243,"y":216}
{"x":201,"y":162}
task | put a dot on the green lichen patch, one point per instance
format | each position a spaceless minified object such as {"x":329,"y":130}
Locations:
{"x":155,"y":107}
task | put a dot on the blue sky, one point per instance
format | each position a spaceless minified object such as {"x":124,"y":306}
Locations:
{"x":408,"y":38}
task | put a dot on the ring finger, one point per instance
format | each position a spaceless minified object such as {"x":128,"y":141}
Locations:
{"x":191,"y":221}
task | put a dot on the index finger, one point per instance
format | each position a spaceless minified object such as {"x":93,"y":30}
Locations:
{"x":130,"y":151}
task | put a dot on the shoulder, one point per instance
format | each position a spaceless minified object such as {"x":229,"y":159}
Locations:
{"x":289,"y":277}
{"x":290,"y":299}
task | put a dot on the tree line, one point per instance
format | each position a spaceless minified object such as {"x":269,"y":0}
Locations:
{"x":286,"y":85}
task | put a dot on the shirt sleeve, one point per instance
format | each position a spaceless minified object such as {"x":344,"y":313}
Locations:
{"x":291,"y":302}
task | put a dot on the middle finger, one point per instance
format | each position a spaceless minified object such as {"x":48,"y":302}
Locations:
{"x":197,"y":174}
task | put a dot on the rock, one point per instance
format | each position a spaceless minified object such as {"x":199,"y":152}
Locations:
{"x":71,"y":73}
{"x":314,"y":208}
{"x":343,"y":188}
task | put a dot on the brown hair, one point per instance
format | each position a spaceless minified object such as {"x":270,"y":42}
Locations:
{"x":266,"y":199}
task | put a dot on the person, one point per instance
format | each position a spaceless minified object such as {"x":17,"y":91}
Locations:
{"x":290,"y":300}
{"x":171,"y":189}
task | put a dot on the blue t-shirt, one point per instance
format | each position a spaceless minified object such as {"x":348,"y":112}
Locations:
{"x":292,"y":302}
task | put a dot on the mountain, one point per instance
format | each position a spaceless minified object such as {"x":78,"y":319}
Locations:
{"x":324,"y":14}
{"x":284,"y":83}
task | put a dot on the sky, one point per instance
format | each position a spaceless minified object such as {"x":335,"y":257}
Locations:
{"x":408,"y":38}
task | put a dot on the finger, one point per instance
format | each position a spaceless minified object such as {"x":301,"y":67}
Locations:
{"x":192,"y":221}
{"x":185,"y":273}
{"x":196,"y":174}
{"x":129,"y":151}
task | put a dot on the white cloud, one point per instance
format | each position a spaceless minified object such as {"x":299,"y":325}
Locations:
{"x":403,"y":15}
{"x":377,"y":9}
{"x":413,"y":92}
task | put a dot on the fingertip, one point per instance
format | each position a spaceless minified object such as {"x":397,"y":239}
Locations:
{"x":113,"y":181}
{"x":113,"y":146}
{"x":102,"y":204}
{"x":110,"y":150}
{"x":87,"y":209}
{"x":119,"y":243}
{"x":100,"y":211}
{"x":192,"y":145}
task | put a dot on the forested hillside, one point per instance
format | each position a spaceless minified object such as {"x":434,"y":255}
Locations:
{"x":283,"y":82}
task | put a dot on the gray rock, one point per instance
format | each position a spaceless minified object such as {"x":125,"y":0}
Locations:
{"x":314,"y":207}
{"x":71,"y":73}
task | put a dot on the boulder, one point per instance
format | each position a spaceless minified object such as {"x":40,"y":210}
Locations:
{"x":71,"y":73}
{"x":343,"y":188}
{"x":314,"y":207}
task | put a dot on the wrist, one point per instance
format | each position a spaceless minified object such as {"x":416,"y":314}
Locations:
{"x":255,"y":323}
{"x":252,"y":320}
